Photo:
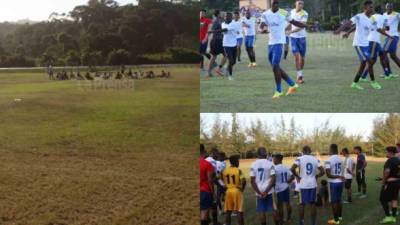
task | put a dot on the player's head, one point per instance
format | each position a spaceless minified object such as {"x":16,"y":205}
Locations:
{"x":390,"y":151}
{"x":278,"y":159}
{"x":202,"y":13}
{"x":345,"y":151}
{"x":248,"y":14}
{"x":228,"y":17}
{"x":368,"y":7}
{"x":203,"y":151}
{"x":299,"y":4}
{"x":221,"y":156}
{"x":214,"y":153}
{"x":389,"y":7}
{"x":262,"y":153}
{"x":306,"y":150}
{"x":275,"y":5}
{"x":234,"y":160}
{"x":357,"y":149}
{"x":217,"y":13}
{"x":236,"y":15}
{"x":378,"y":9}
{"x":324,"y":183}
{"x":333,"y":149}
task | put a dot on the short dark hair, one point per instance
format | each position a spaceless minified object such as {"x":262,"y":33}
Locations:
{"x":368,"y":2}
{"x":236,"y":12}
{"x":234,"y":159}
{"x":345,"y":150}
{"x":358,"y":148}
{"x":203,"y":10}
{"x":378,"y":9}
{"x":262,"y":151}
{"x":391,"y":149}
{"x":278,"y":157}
{"x":217,"y":12}
{"x":307,"y":149}
{"x":334,"y":148}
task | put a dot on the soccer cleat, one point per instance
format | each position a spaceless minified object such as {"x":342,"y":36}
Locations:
{"x":277,"y":95}
{"x":376,"y":85}
{"x":388,"y":219}
{"x":292,"y":90}
{"x":395,"y":75}
{"x":340,"y":218}
{"x":333,"y":222}
{"x":365,"y":80}
{"x":300,"y":80}
{"x":356,"y":86}
{"x":230,"y":78}
{"x":250,"y":65}
{"x":363,"y":196}
{"x":389,"y":77}
{"x":254,"y":64}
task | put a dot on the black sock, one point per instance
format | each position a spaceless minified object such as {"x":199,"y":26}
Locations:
{"x":394,"y":211}
{"x":208,"y":56}
{"x":335,"y":216}
{"x":204,"y":222}
{"x":357,"y":78}
{"x":385,"y":207}
{"x":286,"y":53}
{"x":264,"y":223}
{"x":349,"y":199}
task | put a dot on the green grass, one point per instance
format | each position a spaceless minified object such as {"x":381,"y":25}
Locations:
{"x":362,"y":211}
{"x":331,"y":65}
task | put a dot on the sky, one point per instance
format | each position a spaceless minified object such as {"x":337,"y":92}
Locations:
{"x":38,"y":10}
{"x":354,"y":123}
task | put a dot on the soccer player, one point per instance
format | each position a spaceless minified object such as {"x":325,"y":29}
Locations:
{"x":390,"y":185}
{"x":333,"y":169}
{"x":239,"y":36}
{"x":216,"y":47}
{"x":206,"y":187}
{"x":204,"y":27}
{"x":230,"y":31}
{"x":348,"y":172}
{"x":308,"y":166}
{"x":283,"y":178}
{"x":360,"y":172}
{"x":235,"y":184}
{"x":221,"y":165}
{"x":298,"y":39}
{"x":275,"y":19}
{"x":262,"y":175}
{"x":390,"y":46}
{"x":249,"y":25}
{"x":213,"y":159}
{"x":361,"y":24}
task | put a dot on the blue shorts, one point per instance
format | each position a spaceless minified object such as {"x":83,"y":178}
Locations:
{"x":375,"y":49}
{"x":284,"y":196}
{"x":265,"y":204}
{"x":335,"y":192}
{"x":231,"y":53}
{"x":239,"y":41}
{"x":299,"y":45}
{"x":249,"y":41}
{"x":391,"y":44}
{"x":363,"y":53}
{"x":275,"y":54}
{"x":203,"y":48}
{"x":206,"y":200}
{"x":308,"y":196}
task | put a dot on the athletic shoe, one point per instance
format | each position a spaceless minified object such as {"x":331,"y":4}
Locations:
{"x":395,"y":75}
{"x":230,"y":78}
{"x":292,"y":90}
{"x":346,"y":202}
{"x":365,"y":80}
{"x":250,"y":65}
{"x":340,"y":218}
{"x":376,"y":85}
{"x":363,"y":196}
{"x":388,"y":219}
{"x":300,"y":80}
{"x":389,"y":77}
{"x":254,"y":64}
{"x":277,"y":95}
{"x":356,"y":86}
{"x":382,"y":75}
{"x":333,"y":222}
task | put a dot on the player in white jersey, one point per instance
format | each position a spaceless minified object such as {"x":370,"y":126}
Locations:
{"x":239,"y":36}
{"x":361,"y":24}
{"x":333,"y":168}
{"x":308,"y":166}
{"x":262,"y":174}
{"x":348,"y":171}
{"x":390,"y":46}
{"x":298,"y":39}
{"x":249,"y":26}
{"x":283,"y":178}
{"x":275,"y":19}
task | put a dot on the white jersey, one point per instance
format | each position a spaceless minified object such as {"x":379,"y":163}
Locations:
{"x":262,"y":170}
{"x":363,"y":24}
{"x":276,"y":22}
{"x":301,"y":16}
{"x":377,"y":22}
{"x":239,"y":28}
{"x":393,"y":23}
{"x":334,"y":164}
{"x":348,"y":164}
{"x":308,"y":166}
{"x":282,"y":174}
{"x":220,"y":167}
{"x":230,"y":35}
{"x":212,"y":161}
{"x":250,"y":28}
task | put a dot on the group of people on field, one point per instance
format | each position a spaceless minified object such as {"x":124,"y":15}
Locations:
{"x":222,"y":186}
{"x":288,"y":28}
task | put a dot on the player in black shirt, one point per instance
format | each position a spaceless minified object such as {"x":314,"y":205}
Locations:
{"x":391,"y":185}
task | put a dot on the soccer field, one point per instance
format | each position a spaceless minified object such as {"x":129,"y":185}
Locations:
{"x":331,"y":64}
{"x":74,"y":155}
{"x":361,"y":212}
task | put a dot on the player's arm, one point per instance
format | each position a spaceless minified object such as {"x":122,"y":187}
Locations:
{"x":291,"y":178}
{"x":210,"y":179}
{"x":288,"y":27}
{"x":346,"y":25}
{"x":321,"y":172}
{"x":271,"y":184}
{"x":299,"y":24}
{"x":347,"y":34}
{"x":386,"y":174}
{"x":242,"y":180}
{"x":294,"y":171}
{"x":218,"y":31}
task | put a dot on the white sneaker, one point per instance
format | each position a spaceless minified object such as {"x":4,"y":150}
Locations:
{"x":230,"y":78}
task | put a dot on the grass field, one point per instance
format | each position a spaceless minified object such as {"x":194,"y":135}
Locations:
{"x":73,"y":155}
{"x":331,"y":64}
{"x":361,"y":212}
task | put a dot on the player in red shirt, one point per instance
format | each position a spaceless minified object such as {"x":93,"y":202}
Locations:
{"x":204,"y":27}
{"x":206,"y":187}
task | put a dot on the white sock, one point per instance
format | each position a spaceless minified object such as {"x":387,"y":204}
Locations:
{"x":300,"y":73}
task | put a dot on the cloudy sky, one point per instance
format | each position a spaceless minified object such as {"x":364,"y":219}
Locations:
{"x":38,"y":10}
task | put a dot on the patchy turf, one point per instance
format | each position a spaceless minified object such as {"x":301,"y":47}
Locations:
{"x":74,"y":155}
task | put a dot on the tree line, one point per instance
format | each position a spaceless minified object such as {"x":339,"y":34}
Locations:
{"x":104,"y":33}
{"x":288,"y":138}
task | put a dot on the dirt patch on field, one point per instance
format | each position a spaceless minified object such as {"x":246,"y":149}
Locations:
{"x":120,"y":189}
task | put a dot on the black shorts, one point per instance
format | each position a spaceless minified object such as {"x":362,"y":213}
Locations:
{"x":347,"y":183}
{"x":390,"y":191}
{"x":216,"y":47}
{"x":231,"y":53}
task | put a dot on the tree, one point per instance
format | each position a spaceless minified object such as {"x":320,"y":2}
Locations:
{"x":119,"y":57}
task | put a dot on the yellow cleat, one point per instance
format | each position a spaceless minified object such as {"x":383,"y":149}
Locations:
{"x":277,"y":95}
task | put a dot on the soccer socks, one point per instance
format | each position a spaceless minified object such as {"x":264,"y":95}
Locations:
{"x":289,"y":81}
{"x":387,"y":71}
{"x":385,"y":207}
{"x":365,"y":74}
{"x":313,"y":221}
{"x":279,"y":87}
{"x":394,"y":212}
{"x":286,"y":53}
{"x":299,"y":73}
{"x":301,"y":222}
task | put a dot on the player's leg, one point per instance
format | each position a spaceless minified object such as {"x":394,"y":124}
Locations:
{"x":384,"y":198}
{"x":228,"y":217}
{"x":286,"y":50}
{"x":364,"y":184}
{"x":205,"y":206}
{"x":239,"y":48}
{"x":252,"y":52}
{"x":272,"y":57}
{"x":393,"y":50}
{"x":363,"y":64}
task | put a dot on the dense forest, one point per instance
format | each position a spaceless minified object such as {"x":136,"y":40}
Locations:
{"x":288,"y":138}
{"x":105,"y":33}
